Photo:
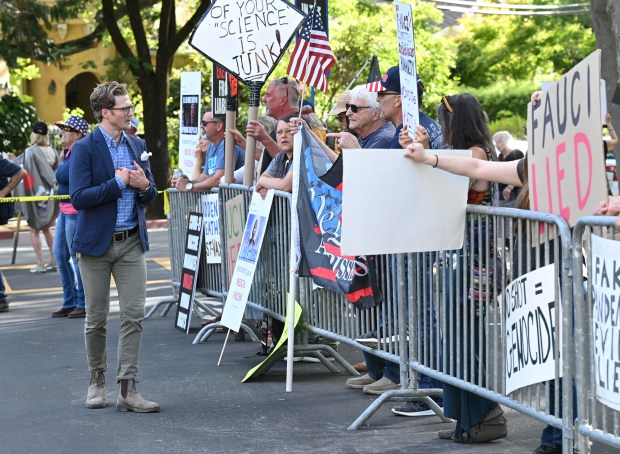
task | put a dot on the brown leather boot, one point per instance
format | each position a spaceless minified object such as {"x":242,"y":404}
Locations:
{"x":130,"y":400}
{"x":96,"y":391}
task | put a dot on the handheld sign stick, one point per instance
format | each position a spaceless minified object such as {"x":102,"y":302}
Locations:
{"x":219,"y":360}
{"x":250,"y":146}
{"x":231,"y":120}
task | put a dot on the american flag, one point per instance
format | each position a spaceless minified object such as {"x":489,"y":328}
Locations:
{"x":312,"y":56}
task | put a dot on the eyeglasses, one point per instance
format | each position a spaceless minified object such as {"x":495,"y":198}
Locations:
{"x":126,"y":110}
{"x":445,"y":102}
{"x":205,"y":123}
{"x":356,"y":109}
{"x":381,"y":94}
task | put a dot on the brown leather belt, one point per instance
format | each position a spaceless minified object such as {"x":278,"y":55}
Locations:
{"x":123,"y":235}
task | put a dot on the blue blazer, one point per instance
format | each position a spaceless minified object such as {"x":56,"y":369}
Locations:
{"x":94,"y":193}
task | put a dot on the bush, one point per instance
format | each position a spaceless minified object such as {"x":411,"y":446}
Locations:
{"x":504,"y":99}
{"x":513,"y":124}
{"x":16,"y":119}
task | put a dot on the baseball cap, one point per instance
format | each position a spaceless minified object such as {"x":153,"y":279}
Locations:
{"x":344,"y":98}
{"x":390,"y":81}
{"x":74,"y":122}
{"x":40,"y":128}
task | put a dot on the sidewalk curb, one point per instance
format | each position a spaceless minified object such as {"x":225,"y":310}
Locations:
{"x":6,"y":231}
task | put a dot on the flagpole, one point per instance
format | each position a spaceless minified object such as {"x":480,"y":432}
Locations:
{"x":365,"y":64}
{"x":294,"y":256}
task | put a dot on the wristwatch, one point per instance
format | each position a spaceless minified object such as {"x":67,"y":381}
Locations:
{"x":189,"y":186}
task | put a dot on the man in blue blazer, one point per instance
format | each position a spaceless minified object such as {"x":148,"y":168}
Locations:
{"x":110,"y":181}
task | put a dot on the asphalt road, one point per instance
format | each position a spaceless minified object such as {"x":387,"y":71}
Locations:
{"x":204,"y":408}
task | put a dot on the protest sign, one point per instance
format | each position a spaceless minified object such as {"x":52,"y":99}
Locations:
{"x":246,"y":37}
{"x":605,"y":281}
{"x":430,"y":204}
{"x":190,"y":119}
{"x":211,"y":222}
{"x":533,"y":332}
{"x":565,"y":164}
{"x":219,"y":90}
{"x":193,"y":244}
{"x":245,"y":267}
{"x":235,"y":220}
{"x":407,"y":66}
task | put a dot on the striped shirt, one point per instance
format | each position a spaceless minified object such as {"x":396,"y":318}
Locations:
{"x":126,"y":213}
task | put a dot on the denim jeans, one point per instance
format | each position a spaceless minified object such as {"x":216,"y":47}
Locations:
{"x":2,"y":287}
{"x":73,"y":290}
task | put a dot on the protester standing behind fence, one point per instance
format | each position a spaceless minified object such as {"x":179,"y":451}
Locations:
{"x":110,"y":180}
{"x":40,"y":161}
{"x":10,"y":176}
{"x":74,"y":129}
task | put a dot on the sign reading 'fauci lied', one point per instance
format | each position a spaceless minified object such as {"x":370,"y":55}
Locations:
{"x":247,"y":37}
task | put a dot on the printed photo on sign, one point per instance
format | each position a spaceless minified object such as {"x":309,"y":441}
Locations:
{"x":189,"y":114}
{"x":533,"y":328}
{"x":189,"y":118}
{"x":249,"y":247}
{"x":193,"y":246}
{"x":605,"y":281}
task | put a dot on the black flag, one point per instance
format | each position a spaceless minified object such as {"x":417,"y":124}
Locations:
{"x":375,"y":73}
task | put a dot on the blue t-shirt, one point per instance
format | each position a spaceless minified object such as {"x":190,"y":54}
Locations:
{"x":379,"y":138}
{"x":216,"y":157}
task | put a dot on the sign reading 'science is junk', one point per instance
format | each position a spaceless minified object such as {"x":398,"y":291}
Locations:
{"x":247,"y":37}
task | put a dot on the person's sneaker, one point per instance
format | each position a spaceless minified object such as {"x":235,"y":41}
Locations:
{"x":544,"y":449}
{"x":413,"y":408}
{"x":38,"y":269}
{"x":381,"y":386}
{"x":4,"y":306}
{"x":360,"y":382}
{"x":51,"y":267}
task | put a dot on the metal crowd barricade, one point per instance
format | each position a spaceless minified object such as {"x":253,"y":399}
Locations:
{"x":594,"y":420}
{"x":466,"y":323}
{"x":209,"y":275}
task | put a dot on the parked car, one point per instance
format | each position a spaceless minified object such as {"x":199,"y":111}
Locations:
{"x":612,"y":177}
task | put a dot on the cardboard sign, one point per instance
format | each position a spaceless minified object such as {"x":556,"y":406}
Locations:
{"x":532,"y":329}
{"x":245,"y":267}
{"x":605,"y":324}
{"x":219,"y":90}
{"x":235,"y":220}
{"x":189,"y":121}
{"x":566,"y":165}
{"x":246,"y":37}
{"x":407,"y":66}
{"x":211,"y":222}
{"x":426,"y":213}
{"x":191,"y":260}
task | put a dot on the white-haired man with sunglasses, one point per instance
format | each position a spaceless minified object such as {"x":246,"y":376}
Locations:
{"x":365,"y":120}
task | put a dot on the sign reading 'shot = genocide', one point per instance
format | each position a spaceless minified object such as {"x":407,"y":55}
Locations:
{"x":533,"y":334}
{"x":605,"y":281}
{"x":249,"y":37}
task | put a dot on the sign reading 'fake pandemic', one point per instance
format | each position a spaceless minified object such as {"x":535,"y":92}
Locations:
{"x":246,"y":37}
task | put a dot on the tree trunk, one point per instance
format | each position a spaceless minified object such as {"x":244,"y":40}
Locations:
{"x":154,"y":96}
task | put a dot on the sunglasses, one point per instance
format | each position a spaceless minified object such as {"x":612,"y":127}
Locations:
{"x":205,"y":123}
{"x":67,"y":129}
{"x":126,"y":110}
{"x":445,"y":102}
{"x":284,"y":82}
{"x":356,"y":109}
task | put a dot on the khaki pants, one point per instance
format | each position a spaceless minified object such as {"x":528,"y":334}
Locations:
{"x":125,"y":261}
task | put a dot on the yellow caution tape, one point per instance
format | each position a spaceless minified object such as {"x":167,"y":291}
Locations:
{"x":45,"y":198}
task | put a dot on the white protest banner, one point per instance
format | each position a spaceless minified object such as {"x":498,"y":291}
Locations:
{"x":605,"y":282}
{"x":191,"y":255}
{"x":566,"y":165}
{"x":243,"y":275}
{"x":211,"y":222}
{"x":407,"y":66}
{"x":235,"y":219}
{"x":425,"y":213}
{"x":189,"y":121}
{"x":532,"y":330}
{"x":246,"y":37}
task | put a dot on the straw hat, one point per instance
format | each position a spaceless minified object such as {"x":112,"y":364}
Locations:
{"x":344,"y":98}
